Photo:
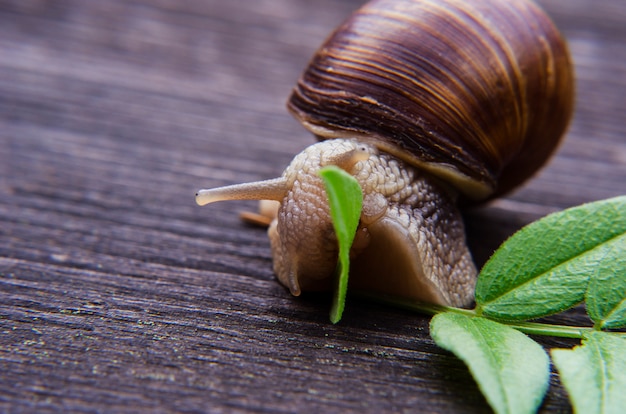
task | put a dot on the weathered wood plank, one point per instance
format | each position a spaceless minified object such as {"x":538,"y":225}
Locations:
{"x":117,"y":293}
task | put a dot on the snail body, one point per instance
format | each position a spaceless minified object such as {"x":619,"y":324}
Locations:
{"x":426,"y":103}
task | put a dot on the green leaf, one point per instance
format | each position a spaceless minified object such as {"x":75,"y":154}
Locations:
{"x":511,"y":369}
{"x":545,"y":267}
{"x":346,"y":201}
{"x":594,"y":373}
{"x":606,"y":294}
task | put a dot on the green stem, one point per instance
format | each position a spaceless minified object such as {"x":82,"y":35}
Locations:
{"x":421,"y":307}
{"x":532,"y":328}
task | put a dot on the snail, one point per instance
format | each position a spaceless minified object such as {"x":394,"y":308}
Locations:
{"x":430,"y":105}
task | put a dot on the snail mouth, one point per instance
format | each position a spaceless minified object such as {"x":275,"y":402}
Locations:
{"x":297,"y":281}
{"x":304,"y":266}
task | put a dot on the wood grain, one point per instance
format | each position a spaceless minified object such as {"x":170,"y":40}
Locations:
{"x":118,"y":293}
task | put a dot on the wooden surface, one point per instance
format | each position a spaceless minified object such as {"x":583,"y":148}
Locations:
{"x":118,"y":293}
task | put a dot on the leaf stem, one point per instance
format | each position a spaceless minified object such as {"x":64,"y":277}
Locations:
{"x":535,"y":328}
{"x":411,"y":305}
{"x":532,"y":328}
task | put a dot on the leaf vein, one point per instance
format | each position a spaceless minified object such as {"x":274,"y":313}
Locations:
{"x":562,"y":264}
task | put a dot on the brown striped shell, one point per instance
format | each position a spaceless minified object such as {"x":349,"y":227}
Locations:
{"x":478,"y":92}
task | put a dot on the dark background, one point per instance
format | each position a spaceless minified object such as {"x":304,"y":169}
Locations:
{"x":118,"y":293}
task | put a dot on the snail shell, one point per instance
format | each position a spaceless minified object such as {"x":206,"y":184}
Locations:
{"x":423,"y":102}
{"x":477,"y":92}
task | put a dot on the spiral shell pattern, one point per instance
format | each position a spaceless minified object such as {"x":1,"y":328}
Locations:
{"x":478,"y":92}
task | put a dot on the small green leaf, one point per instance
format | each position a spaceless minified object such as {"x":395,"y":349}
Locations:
{"x":594,"y":373}
{"x":511,"y":369}
{"x":545,"y":267}
{"x":346,"y":201}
